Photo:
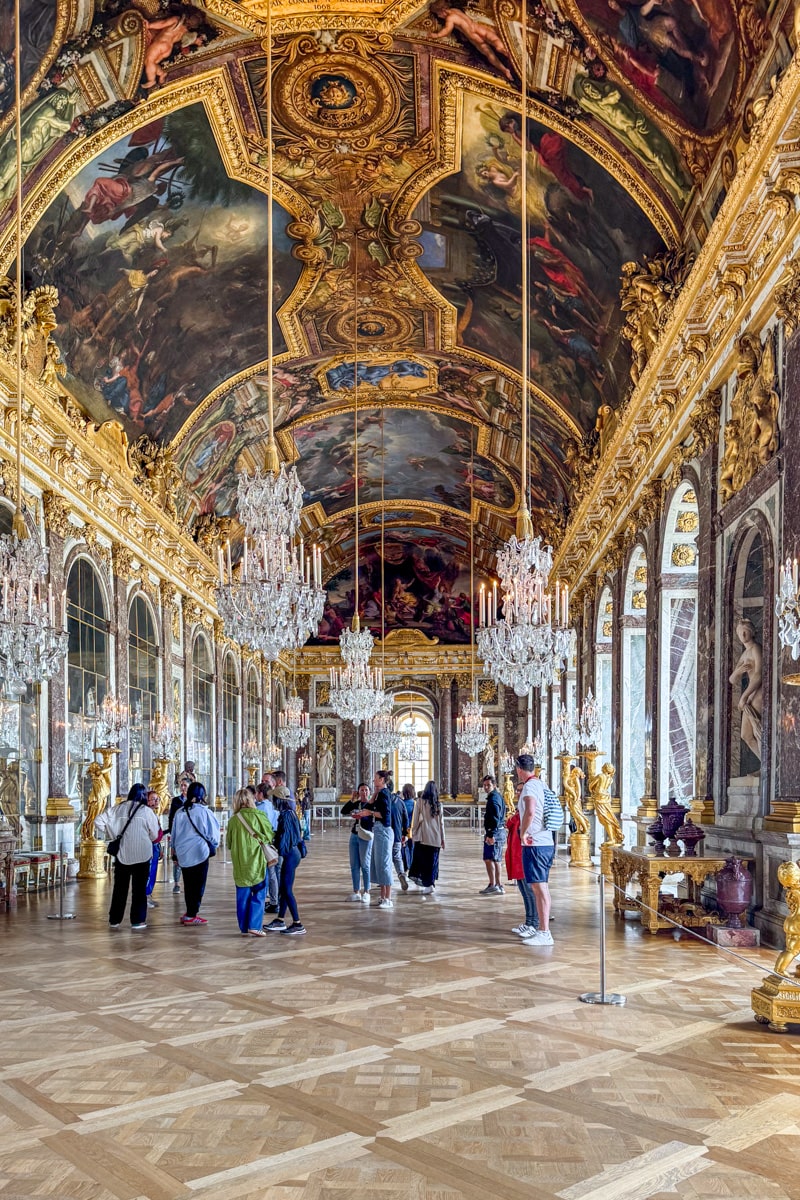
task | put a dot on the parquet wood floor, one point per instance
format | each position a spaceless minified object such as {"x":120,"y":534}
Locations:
{"x":422,"y":1053}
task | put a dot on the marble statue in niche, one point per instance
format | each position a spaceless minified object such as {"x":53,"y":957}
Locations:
{"x":747,"y":674}
{"x":324,"y":759}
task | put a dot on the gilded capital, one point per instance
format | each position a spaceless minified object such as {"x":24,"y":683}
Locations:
{"x":169,"y":593}
{"x":121,"y":560}
{"x":56,"y":513}
{"x":787,"y":297}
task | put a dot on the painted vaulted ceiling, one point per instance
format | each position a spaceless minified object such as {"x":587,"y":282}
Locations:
{"x":398,"y":147}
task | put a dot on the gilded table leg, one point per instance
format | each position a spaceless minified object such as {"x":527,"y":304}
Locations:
{"x":650,"y":892}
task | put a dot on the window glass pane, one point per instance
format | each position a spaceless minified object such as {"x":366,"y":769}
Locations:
{"x":142,"y":688}
{"x":87,"y":672}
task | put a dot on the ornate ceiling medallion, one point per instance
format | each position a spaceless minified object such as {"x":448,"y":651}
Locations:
{"x":334,"y":96}
{"x":378,"y":327}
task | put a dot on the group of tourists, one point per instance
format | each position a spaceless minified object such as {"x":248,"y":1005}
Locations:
{"x":264,"y":836}
{"x":392,"y":834}
{"x":394,"y":831}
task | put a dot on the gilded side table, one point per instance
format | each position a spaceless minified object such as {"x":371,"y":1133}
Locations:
{"x":649,"y":869}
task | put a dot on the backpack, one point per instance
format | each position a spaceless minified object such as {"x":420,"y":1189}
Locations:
{"x":553,"y":812}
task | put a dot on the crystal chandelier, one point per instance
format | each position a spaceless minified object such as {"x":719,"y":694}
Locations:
{"x":293,"y":731}
{"x":563,"y":730}
{"x":32,"y":646}
{"x":787,"y":608}
{"x":274,"y":756}
{"x":472,"y":728}
{"x":535,"y":748}
{"x":411,"y":749}
{"x":251,"y":755}
{"x":590,"y":725}
{"x":111,"y":720}
{"x":381,"y":734}
{"x":304,"y":763}
{"x":356,"y":688}
{"x":274,"y":599}
{"x":164,"y":741}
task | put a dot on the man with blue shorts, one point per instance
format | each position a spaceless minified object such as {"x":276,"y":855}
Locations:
{"x":537,"y":846}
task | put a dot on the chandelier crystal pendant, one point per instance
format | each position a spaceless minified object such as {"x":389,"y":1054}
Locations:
{"x":293,"y":730}
{"x":164,"y":739}
{"x":787,"y":608}
{"x":273,"y":599}
{"x":33,"y":641}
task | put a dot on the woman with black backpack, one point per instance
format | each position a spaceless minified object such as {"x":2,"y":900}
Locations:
{"x":195,"y":837}
{"x":133,"y":827}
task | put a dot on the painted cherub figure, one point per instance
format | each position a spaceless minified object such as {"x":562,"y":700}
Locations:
{"x":482,"y":37}
{"x":164,"y":36}
{"x":789,"y":878}
{"x":572,"y":797}
{"x":600,"y":792}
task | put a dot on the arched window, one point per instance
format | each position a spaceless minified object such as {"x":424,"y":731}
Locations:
{"x":417,"y":771}
{"x":142,"y":686}
{"x":87,"y":671}
{"x":201,"y":728}
{"x":231,"y":749}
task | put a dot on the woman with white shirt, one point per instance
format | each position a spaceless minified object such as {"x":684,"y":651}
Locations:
{"x":137,"y":827}
{"x":195,"y":837}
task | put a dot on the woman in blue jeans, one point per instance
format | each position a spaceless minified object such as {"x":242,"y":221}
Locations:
{"x":380,"y":808}
{"x":360,"y":845}
{"x":288,"y":840}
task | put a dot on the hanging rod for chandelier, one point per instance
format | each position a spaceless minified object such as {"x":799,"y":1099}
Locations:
{"x":523,"y":647}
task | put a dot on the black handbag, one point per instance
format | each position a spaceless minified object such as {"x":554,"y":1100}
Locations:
{"x":113,"y":847}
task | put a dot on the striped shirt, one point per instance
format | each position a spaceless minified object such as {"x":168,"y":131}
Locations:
{"x":137,"y":841}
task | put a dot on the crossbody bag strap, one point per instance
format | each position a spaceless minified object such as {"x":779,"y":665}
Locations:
{"x":127,"y":823}
{"x":197,"y":831}
{"x":249,"y":829}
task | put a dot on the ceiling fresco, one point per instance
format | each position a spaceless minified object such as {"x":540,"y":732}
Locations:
{"x":398,"y":146}
{"x":152,"y":221}
{"x":425,"y":585}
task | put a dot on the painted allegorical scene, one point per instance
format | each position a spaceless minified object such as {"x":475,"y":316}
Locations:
{"x":581,"y":227}
{"x":683,"y":55}
{"x":156,"y":253}
{"x":426,"y":579}
{"x":426,"y":456}
{"x":37,"y":28}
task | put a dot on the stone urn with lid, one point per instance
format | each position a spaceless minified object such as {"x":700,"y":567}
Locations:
{"x":691,"y":835}
{"x":656,"y":832}
{"x":672,"y":817}
{"x":734,"y":891}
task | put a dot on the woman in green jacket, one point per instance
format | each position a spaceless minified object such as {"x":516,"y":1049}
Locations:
{"x":249,"y":831}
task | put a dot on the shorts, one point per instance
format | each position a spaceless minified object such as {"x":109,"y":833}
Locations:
{"x":494,"y":853}
{"x":536,"y":863}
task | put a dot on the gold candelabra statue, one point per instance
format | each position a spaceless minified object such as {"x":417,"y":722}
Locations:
{"x":251,"y":758}
{"x":92,"y":849}
{"x":600,"y":785}
{"x":777,"y":1002}
{"x":579,"y":855}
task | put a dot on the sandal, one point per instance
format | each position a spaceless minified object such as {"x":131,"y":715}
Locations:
{"x":256,"y":933}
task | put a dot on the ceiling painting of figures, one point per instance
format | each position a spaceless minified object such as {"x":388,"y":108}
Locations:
{"x":426,"y":585}
{"x":156,"y":253}
{"x":581,"y":228}
{"x":684,"y":56}
{"x":37,"y":29}
{"x":426,"y":457}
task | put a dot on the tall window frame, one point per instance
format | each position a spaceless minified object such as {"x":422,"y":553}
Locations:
{"x":88,"y":670}
{"x":143,"y":693}
{"x":201,"y":740}
{"x":231,"y":741}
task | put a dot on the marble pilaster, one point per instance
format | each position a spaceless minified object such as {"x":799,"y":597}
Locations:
{"x":346,"y":766}
{"x":446,"y":735}
{"x":121,"y":672}
{"x":706,"y":491}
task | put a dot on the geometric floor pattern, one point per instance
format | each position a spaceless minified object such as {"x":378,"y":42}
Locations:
{"x":421,"y":1053}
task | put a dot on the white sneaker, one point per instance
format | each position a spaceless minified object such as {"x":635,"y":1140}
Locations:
{"x":542,"y":937}
{"x":427,"y":891}
{"x":524,"y":930}
{"x":364,"y":897}
{"x":355,"y":898}
{"x":386,"y":904}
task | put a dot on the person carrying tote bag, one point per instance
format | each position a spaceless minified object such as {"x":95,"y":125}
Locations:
{"x":249,"y":835}
{"x":133,"y":828}
{"x":292,"y":848}
{"x":195,"y":837}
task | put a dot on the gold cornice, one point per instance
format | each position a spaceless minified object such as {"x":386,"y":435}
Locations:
{"x":749,"y":231}
{"x":293,"y":16}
